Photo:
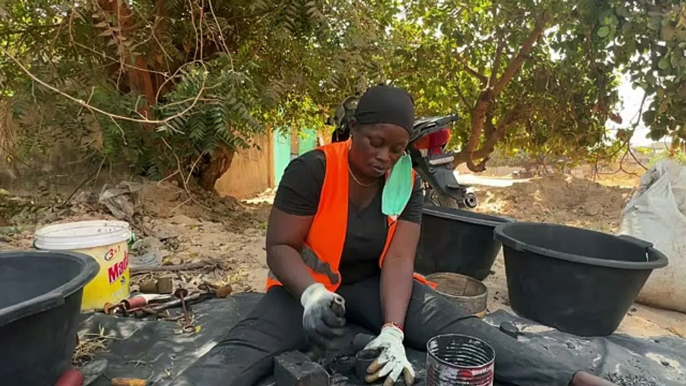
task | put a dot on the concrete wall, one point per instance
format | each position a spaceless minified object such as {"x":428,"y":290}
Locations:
{"x":251,"y":172}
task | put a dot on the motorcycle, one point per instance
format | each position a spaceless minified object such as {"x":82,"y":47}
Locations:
{"x":427,"y":151}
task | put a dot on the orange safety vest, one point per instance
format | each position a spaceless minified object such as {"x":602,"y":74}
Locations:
{"x":323,"y":245}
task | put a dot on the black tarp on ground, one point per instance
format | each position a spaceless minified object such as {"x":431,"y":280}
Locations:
{"x":159,"y":351}
{"x":661,"y":361}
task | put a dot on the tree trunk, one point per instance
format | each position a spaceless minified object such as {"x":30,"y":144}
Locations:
{"x":218,"y":164}
{"x":480,"y":116}
{"x":137,"y":72}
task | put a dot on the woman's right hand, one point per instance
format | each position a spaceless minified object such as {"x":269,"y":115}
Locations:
{"x":324,"y":313}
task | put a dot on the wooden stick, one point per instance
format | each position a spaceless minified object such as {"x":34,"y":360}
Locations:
{"x":178,"y":267}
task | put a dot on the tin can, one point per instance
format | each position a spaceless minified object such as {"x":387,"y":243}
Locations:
{"x":459,"y":360}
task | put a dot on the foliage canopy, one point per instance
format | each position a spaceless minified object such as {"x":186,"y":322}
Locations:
{"x":188,"y":82}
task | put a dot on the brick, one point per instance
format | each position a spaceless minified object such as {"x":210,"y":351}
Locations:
{"x":296,"y":369}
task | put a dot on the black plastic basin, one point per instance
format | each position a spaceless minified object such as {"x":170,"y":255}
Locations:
{"x":578,"y":281}
{"x":39,"y":307}
{"x":455,"y":240}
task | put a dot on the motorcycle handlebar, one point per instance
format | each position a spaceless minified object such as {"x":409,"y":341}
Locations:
{"x":448,"y":119}
{"x":429,"y":126}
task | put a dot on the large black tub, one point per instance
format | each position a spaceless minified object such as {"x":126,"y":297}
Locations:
{"x":39,"y":306}
{"x":454,"y":240}
{"x":578,"y":281}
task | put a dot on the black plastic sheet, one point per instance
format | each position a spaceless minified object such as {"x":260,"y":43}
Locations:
{"x":159,"y":351}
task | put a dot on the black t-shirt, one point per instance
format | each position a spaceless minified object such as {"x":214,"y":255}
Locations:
{"x":299,"y":192}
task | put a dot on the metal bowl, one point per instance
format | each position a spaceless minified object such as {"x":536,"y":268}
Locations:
{"x":469,"y":293}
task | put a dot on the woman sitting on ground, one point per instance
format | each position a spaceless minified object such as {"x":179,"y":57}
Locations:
{"x":341,"y":244}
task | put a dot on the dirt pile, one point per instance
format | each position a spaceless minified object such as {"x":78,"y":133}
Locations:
{"x":172,"y":226}
{"x":559,"y":199}
{"x":164,"y":200}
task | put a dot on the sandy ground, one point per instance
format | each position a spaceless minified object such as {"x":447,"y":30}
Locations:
{"x":496,"y":182}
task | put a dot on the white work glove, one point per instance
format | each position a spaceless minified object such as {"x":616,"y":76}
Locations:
{"x":324,"y":313}
{"x":392,"y":361}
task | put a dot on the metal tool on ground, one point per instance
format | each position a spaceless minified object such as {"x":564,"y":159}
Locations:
{"x":296,"y":369}
{"x":113,"y":309}
{"x":129,"y":306}
{"x":156,"y":309}
{"x":181,"y":293}
{"x":134,"y":302}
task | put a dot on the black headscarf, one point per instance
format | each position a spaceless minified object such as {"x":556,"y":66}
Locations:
{"x":386,"y":104}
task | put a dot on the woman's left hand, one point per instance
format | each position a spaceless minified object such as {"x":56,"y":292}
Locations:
{"x":392,"y":361}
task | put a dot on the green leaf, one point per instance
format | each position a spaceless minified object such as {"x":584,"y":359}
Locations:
{"x":650,"y":79}
{"x":664,"y":64}
{"x":627,"y":28}
{"x":649,"y":117}
{"x":655,"y":23}
{"x":603,"y":31}
{"x":623,"y":11}
{"x":660,"y":92}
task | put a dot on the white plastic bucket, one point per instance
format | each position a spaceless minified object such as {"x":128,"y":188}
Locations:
{"x":107,"y":243}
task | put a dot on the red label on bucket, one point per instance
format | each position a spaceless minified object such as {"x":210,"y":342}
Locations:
{"x":118,"y":269}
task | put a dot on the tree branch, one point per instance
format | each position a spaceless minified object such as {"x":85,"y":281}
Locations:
{"x":636,"y":159}
{"x":30,"y":29}
{"x":92,"y":108}
{"x":488,"y":124}
{"x":493,"y":135}
{"x":251,"y":15}
{"x":524,"y":51}
{"x":464,"y":99}
{"x":482,"y":78}
{"x":490,"y":93}
{"x":496,"y":61}
{"x":478,"y":117}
